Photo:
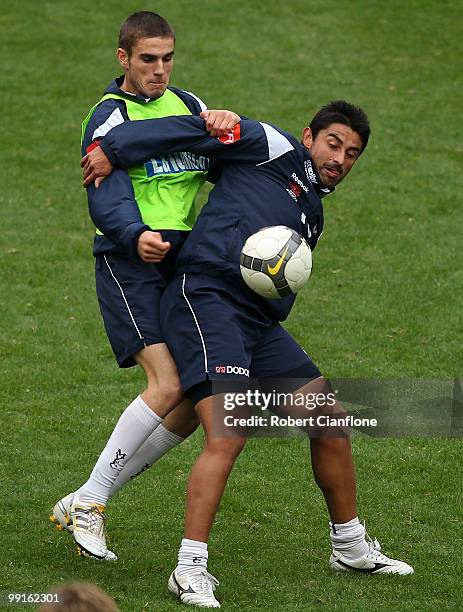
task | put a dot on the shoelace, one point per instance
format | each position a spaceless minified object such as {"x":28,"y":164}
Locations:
{"x":375,"y":549}
{"x":93,"y":520}
{"x":204,"y":583}
{"x":372,"y":544}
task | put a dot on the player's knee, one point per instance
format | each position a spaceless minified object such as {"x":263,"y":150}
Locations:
{"x":226,"y":448}
{"x":171,"y":395}
{"x":166,"y":394}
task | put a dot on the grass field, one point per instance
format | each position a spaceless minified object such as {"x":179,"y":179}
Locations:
{"x":385,"y":300}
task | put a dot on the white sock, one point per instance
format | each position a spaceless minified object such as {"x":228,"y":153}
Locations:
{"x":157,"y":445}
{"x":349,"y":538}
{"x":192,"y":555}
{"x":136,"y":423}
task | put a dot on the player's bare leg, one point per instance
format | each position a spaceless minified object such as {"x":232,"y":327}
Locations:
{"x":334,"y":473}
{"x":353,"y":550}
{"x":163,"y":392}
{"x":191,"y":581}
{"x":209,"y":475}
{"x":333,"y":469}
{"x":330,"y":447}
{"x":183,"y":420}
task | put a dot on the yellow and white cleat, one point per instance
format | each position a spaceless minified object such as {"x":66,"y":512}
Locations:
{"x":89,"y":531}
{"x":62,"y":519}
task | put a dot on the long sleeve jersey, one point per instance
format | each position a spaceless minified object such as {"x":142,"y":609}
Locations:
{"x":268,"y":178}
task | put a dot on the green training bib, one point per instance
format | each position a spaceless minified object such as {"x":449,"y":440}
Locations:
{"x":165,"y":188}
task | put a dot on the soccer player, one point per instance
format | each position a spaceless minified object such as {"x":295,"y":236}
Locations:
{"x":143,"y":217}
{"x":212,"y":319}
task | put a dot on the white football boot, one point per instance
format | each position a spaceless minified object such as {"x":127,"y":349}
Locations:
{"x":88,"y":523}
{"x":195,"y":588}
{"x":373,"y":562}
{"x":61,"y":516}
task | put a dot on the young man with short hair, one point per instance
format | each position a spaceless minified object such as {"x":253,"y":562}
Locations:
{"x":268,"y":178}
{"x":143,"y":217}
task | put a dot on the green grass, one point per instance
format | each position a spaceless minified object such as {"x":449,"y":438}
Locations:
{"x":385,"y":299}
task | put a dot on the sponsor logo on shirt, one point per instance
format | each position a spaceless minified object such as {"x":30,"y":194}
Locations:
{"x":310,"y":173}
{"x":176,"y":162}
{"x":232,"y":370}
{"x":231,"y":136}
{"x":296,"y":187}
{"x":300,"y":183}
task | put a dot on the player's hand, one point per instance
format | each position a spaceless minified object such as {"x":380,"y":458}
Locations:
{"x":219,"y":122}
{"x":151,"y":248}
{"x":95,"y":167}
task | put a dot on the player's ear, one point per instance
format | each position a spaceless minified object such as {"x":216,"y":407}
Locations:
{"x":307,"y":138}
{"x":122,"y":58}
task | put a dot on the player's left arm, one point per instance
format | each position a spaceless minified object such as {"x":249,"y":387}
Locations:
{"x":131,"y":144}
{"x":134,"y":142}
{"x":96,"y":164}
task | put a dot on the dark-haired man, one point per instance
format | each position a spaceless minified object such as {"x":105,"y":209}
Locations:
{"x":143,"y":217}
{"x":212,"y":319}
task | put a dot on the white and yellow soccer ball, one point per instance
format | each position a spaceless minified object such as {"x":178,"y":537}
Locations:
{"x":276,"y":261}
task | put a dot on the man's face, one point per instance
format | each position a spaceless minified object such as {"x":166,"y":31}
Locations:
{"x":334,"y":151}
{"x":147,"y":70}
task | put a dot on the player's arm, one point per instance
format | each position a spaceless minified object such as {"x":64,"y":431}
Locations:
{"x":115,"y":213}
{"x":96,"y":165}
{"x":129,"y":144}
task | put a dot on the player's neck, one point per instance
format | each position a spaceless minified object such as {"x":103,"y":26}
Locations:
{"x":128,"y":88}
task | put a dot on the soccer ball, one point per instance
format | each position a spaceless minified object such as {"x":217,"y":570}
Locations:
{"x":276,"y":261}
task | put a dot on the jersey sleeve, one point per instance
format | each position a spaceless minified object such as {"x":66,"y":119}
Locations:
{"x":107,"y":115}
{"x":249,"y":141}
{"x":115,"y":213}
{"x":112,"y":207}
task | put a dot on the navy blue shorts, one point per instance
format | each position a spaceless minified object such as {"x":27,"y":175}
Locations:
{"x":129,"y":293}
{"x":213,"y":334}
